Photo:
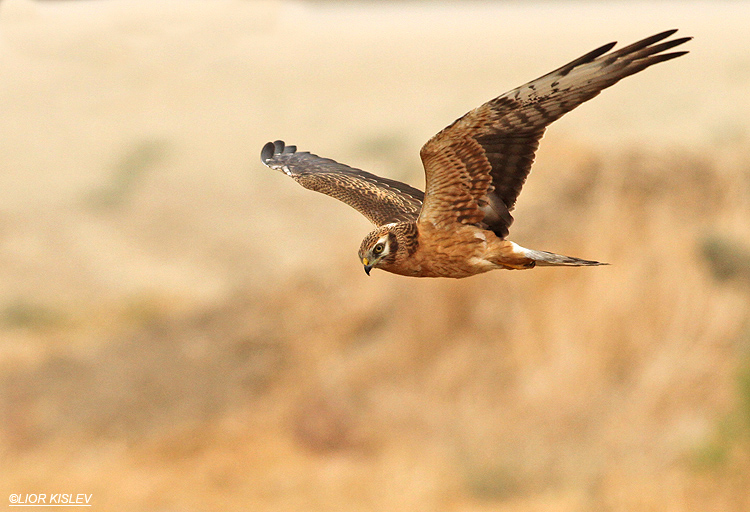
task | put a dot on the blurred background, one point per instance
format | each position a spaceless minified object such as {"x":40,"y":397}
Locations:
{"x":184,"y":329}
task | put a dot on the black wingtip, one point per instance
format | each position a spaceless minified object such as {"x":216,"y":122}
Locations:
{"x":593,"y":54}
{"x":267,"y":152}
{"x":652,"y":39}
{"x":666,"y":33}
{"x":646,"y":47}
{"x":670,"y":56}
{"x":274,"y":148}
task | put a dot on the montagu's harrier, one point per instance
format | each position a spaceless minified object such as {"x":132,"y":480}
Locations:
{"x":474,"y":170}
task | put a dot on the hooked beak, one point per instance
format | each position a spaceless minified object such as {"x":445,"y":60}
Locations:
{"x":368,"y":267}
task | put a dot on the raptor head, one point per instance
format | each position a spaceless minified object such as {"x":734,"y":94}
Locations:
{"x":379,"y":248}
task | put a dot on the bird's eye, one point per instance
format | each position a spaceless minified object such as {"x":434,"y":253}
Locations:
{"x":378,"y":248}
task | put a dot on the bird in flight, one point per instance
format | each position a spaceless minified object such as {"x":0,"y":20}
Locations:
{"x":474,"y":171}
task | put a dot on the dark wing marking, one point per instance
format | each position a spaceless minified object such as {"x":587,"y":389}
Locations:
{"x":379,"y":199}
{"x":475,"y":167}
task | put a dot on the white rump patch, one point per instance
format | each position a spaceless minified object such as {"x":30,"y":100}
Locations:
{"x":286,"y":170}
{"x":521,"y":250}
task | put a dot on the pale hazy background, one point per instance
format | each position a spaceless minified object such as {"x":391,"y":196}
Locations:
{"x":184,"y":329}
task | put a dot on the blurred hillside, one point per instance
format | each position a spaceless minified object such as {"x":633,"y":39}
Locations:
{"x":184,"y":329}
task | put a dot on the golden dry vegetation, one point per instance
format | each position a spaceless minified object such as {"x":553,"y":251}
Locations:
{"x":183,"y":329}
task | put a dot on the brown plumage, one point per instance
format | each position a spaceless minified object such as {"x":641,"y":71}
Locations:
{"x":474,"y":170}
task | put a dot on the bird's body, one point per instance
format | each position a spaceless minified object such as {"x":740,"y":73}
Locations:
{"x":434,"y":252}
{"x":474,"y":170}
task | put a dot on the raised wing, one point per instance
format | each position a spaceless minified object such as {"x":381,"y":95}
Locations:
{"x":475,"y":167}
{"x":379,"y":199}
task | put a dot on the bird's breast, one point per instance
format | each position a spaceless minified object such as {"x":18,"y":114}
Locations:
{"x":458,"y":252}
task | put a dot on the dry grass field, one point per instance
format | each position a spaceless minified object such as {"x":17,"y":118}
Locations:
{"x":182,"y":329}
